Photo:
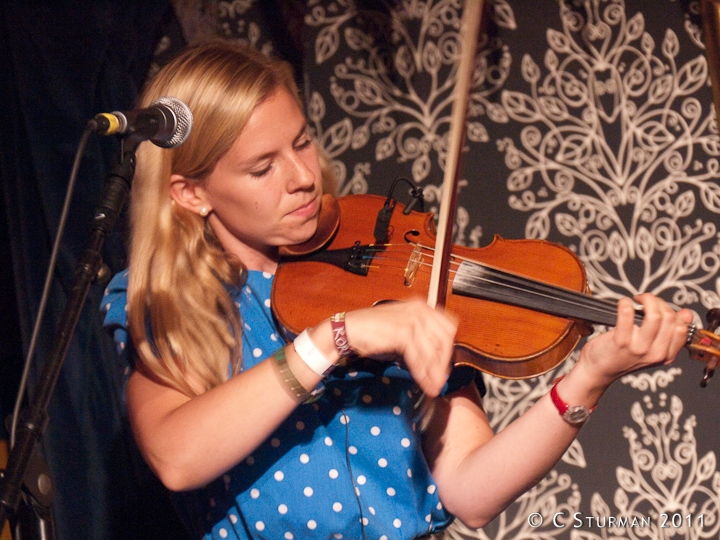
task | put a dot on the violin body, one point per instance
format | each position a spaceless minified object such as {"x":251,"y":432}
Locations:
{"x":350,"y":271}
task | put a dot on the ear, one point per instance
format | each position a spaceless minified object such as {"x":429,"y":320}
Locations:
{"x":189,"y":194}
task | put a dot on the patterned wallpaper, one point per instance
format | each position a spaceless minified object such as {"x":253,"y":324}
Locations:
{"x":590,"y":123}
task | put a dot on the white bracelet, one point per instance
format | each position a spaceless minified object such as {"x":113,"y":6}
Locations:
{"x":311,"y":355}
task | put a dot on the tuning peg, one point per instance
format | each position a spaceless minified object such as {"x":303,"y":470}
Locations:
{"x":707,"y":375}
{"x":713,"y":320}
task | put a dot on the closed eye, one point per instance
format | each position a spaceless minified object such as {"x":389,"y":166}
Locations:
{"x":261,"y":173}
{"x":304,"y":141}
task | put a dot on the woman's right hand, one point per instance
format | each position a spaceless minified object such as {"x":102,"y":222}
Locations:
{"x":422,"y":336}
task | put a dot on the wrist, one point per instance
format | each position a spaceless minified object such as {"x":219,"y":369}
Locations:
{"x":588,"y":379}
{"x":575,"y":415}
{"x":312,"y":356}
{"x":576,"y":391}
{"x":298,"y":390}
{"x":320,"y":348}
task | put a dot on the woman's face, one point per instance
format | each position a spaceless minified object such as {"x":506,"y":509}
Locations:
{"x":265,"y":191}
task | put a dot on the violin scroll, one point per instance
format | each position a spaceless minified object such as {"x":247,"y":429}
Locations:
{"x":704,"y":345}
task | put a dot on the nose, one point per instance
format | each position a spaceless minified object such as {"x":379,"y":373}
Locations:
{"x":302,"y":175}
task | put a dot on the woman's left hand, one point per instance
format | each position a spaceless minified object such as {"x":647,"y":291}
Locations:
{"x":628,"y":347}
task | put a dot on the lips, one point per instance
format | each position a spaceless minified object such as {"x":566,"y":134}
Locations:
{"x":309,"y":209}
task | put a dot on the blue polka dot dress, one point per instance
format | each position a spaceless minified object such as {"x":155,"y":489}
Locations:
{"x":347,"y":466}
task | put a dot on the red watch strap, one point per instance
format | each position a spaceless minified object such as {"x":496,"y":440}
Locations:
{"x":561,"y":406}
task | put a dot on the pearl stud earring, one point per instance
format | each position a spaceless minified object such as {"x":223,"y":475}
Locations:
{"x":203,"y":211}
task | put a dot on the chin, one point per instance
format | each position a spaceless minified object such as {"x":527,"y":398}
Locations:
{"x":300,"y":236}
{"x":307,"y":231}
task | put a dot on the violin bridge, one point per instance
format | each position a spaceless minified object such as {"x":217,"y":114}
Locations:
{"x":413,"y":265}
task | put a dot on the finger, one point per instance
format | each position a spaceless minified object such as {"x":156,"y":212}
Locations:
{"x":433,"y":320}
{"x":668,"y":340}
{"x":663,"y":335}
{"x":421,"y":335}
{"x":625,"y":323}
{"x":446,"y":322}
{"x":434,"y":326}
{"x":679,"y":333}
{"x":436,"y":357}
{"x":423,"y":370}
{"x":429,"y":356}
{"x":657,"y":318}
{"x":686,"y":316}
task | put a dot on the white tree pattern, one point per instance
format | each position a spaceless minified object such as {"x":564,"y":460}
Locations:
{"x":631,"y":205}
{"x":626,"y":208}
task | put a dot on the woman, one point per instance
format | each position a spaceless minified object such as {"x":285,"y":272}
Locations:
{"x":233,"y":420}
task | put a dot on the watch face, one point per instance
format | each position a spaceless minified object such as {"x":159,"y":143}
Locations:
{"x":576,"y":414}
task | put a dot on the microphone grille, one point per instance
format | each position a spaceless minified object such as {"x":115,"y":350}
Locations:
{"x":184,"y":121}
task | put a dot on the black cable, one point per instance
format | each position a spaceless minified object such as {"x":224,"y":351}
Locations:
{"x":48,"y":279}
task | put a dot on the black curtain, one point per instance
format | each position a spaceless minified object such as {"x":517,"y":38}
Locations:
{"x":62,"y":63}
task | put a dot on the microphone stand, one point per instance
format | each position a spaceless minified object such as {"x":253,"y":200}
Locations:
{"x":24,"y":466}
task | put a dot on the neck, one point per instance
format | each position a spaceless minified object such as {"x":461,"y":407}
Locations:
{"x":263,"y":262}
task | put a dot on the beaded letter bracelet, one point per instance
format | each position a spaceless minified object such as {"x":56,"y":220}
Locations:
{"x":342,"y":345}
{"x":288,"y":377}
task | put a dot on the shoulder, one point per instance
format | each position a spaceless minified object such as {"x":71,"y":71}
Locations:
{"x":115,"y":300}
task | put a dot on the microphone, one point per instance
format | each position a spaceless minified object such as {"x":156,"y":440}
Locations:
{"x":166,"y":123}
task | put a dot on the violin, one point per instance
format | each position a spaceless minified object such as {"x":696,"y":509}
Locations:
{"x":522,"y":305}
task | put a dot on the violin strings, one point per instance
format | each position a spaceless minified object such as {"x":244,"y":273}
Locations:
{"x":606,"y":310}
{"x":505,"y":280}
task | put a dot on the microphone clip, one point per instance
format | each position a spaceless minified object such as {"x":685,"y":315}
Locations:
{"x":417,"y":201}
{"x":382,"y":222}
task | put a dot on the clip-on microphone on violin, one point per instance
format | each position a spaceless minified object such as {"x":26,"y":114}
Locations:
{"x":382,"y":223}
{"x":417,"y":200}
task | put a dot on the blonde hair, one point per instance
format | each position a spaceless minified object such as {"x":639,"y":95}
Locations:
{"x":182,"y":320}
